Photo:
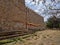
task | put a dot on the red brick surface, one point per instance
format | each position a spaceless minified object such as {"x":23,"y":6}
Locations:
{"x":13,"y":15}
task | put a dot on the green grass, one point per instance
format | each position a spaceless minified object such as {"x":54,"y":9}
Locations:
{"x":5,"y":41}
{"x":26,"y":36}
{"x":10,"y":40}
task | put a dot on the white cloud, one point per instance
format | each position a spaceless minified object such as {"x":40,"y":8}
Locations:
{"x":27,"y":1}
{"x":36,"y":11}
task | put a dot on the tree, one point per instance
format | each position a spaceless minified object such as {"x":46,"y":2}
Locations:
{"x":53,"y":22}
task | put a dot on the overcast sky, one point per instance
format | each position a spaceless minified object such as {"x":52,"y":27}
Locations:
{"x":40,"y":8}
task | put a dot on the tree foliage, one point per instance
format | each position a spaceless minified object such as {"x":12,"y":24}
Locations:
{"x":53,"y":22}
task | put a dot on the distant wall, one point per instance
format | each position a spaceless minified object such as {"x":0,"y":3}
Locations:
{"x":35,"y":19}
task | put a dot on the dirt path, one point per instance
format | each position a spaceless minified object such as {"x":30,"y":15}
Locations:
{"x":47,"y":37}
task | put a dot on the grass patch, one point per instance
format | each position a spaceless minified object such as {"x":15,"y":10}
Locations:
{"x":5,"y":41}
{"x":10,"y":40}
{"x":26,"y":36}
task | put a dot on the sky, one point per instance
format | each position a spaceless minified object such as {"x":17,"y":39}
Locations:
{"x":41,"y":9}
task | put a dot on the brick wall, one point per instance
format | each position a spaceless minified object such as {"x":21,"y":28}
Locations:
{"x":35,"y":19}
{"x":12,"y":14}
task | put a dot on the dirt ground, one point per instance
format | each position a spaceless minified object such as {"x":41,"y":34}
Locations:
{"x":46,"y":37}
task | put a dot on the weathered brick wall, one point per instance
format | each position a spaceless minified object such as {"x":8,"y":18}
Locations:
{"x":12,"y":14}
{"x":35,"y":19}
